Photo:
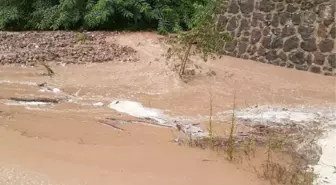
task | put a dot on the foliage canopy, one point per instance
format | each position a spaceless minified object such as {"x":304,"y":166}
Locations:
{"x":167,"y":16}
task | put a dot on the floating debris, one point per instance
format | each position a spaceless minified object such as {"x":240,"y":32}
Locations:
{"x":138,"y":110}
{"x":32,"y":100}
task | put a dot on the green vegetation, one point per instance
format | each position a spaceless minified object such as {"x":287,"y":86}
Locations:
{"x":203,"y":38}
{"x":167,"y":16}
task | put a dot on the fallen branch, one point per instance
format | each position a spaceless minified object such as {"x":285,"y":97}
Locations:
{"x":147,"y":121}
{"x":130,"y":121}
{"x":111,"y":125}
{"x":50,"y":72}
{"x":45,"y":100}
{"x":42,"y":84}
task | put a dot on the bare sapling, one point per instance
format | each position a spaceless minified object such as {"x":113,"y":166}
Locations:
{"x":231,"y":141}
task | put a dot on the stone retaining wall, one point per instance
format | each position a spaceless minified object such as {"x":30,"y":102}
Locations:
{"x":296,"y":34}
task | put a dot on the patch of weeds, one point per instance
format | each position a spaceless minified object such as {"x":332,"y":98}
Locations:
{"x":295,"y":170}
{"x":249,"y":146}
{"x":191,"y":141}
{"x":290,"y":174}
{"x":81,"y":37}
{"x":211,"y":129}
{"x":231,"y":142}
{"x":217,"y":144}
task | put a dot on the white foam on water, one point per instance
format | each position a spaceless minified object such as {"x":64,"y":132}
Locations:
{"x":98,"y":104}
{"x":24,"y":103}
{"x":43,"y":89}
{"x":280,"y":115}
{"x":56,"y":90}
{"x":137,"y":110}
{"x":52,"y":89}
{"x":326,"y":167}
{"x":195,"y":131}
{"x":18,"y":82}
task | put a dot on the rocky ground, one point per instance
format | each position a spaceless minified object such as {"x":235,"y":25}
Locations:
{"x":29,"y":48}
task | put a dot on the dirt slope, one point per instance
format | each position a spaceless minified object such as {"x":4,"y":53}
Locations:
{"x":65,"y":143}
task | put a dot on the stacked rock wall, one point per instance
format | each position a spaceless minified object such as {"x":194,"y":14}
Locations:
{"x":296,"y":34}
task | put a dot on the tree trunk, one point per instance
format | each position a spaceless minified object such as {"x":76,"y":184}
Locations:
{"x":185,"y":60}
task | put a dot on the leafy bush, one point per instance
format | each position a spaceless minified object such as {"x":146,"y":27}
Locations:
{"x":203,"y":36}
{"x":167,"y":16}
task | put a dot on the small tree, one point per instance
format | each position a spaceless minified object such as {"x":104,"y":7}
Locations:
{"x":203,"y":34}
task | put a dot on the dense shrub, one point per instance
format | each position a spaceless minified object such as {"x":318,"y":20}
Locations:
{"x":163,"y":15}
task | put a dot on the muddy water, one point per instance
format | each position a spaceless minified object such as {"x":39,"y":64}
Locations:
{"x":66,"y":143}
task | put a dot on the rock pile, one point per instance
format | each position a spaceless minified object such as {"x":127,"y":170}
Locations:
{"x":28,"y":48}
